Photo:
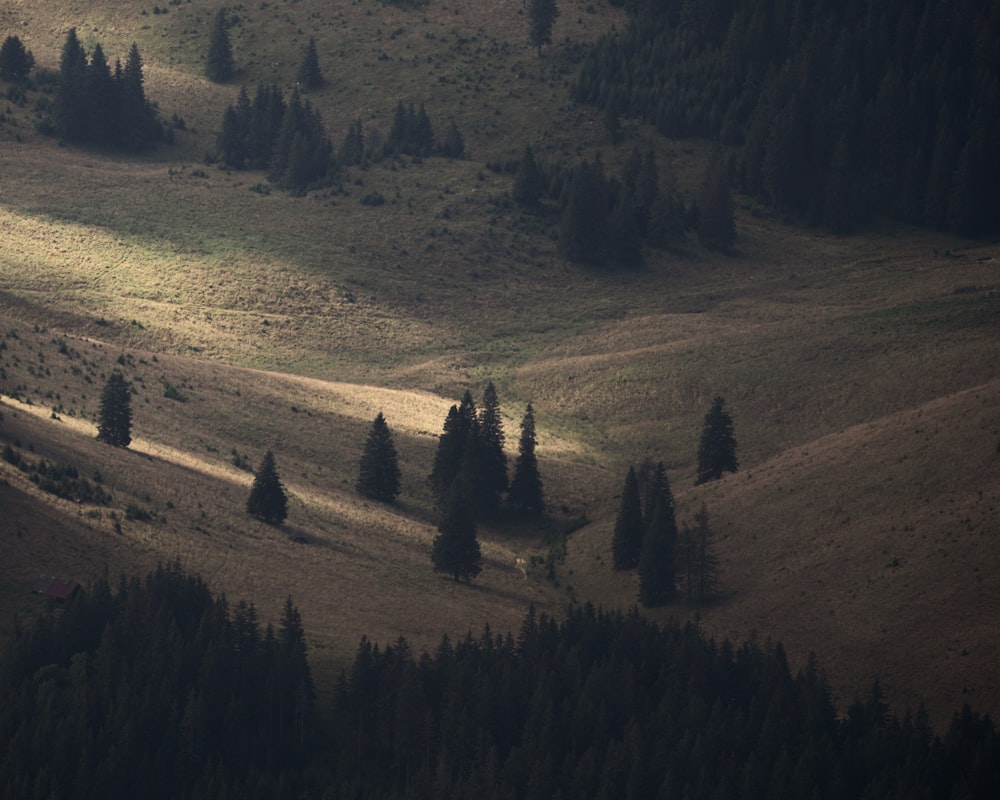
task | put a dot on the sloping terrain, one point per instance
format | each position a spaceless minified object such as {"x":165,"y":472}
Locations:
{"x":861,"y":372}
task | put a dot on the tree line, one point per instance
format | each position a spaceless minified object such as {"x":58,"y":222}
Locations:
{"x":154,"y":687}
{"x":835,"y":112}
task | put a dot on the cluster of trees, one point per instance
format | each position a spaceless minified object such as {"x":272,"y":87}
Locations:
{"x":607,"y":221}
{"x":154,"y":688}
{"x":838,"y":111}
{"x":469,"y":477}
{"x":412,"y":134}
{"x":157,"y":689}
{"x":286,"y":138}
{"x":646,"y":535}
{"x":96,"y":105}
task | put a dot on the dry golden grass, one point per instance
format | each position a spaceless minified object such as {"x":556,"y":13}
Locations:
{"x":289,"y":323}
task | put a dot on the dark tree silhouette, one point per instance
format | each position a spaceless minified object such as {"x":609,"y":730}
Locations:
{"x":717,"y":448}
{"x":657,"y":562}
{"x":528,"y":186}
{"x":267,"y":500}
{"x":115,"y":426}
{"x":716,"y":220}
{"x":584,"y":229}
{"x":700,"y":563}
{"x":378,"y":473}
{"x":526,"y":486}
{"x":541,"y":17}
{"x":310,"y":76}
{"x":626,"y":542}
{"x":455,"y":550}
{"x":71,"y":94}
{"x":15,"y":61}
{"x":493,"y":460}
{"x":219,"y":64}
{"x":453,"y":144}
{"x":454,"y":447}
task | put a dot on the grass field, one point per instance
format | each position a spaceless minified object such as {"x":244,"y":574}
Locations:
{"x":861,"y":372}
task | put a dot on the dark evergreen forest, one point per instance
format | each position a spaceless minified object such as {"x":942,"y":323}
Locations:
{"x":155,"y":688}
{"x":836,"y":111}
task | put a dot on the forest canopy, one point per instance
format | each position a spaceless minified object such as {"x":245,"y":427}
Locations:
{"x":156,"y":688}
{"x":835,"y":112}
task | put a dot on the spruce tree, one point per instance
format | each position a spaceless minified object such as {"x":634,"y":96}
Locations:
{"x":493,"y":460}
{"x":71,"y":94}
{"x":447,"y":456}
{"x":717,"y":448}
{"x":378,"y":472}
{"x":700,"y":563}
{"x":219,"y":65}
{"x":541,"y":17}
{"x":526,"y":486}
{"x":267,"y":500}
{"x":455,"y":550}
{"x":716,"y":216}
{"x":15,"y":61}
{"x":528,"y":186}
{"x":626,"y":543}
{"x":115,"y":425}
{"x":657,"y":561}
{"x":584,"y":229}
{"x":309,"y":74}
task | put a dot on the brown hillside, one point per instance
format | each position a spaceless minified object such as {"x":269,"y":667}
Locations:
{"x":861,"y":372}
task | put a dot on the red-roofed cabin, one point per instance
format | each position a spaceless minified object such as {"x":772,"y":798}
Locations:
{"x":56,"y":588}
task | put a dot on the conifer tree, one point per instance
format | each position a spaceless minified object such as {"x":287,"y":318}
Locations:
{"x":493,"y":460}
{"x":309,"y":74}
{"x":526,"y":486}
{"x":115,"y":426}
{"x":70,"y":103}
{"x":584,"y":229}
{"x":626,"y":543}
{"x":15,"y":61}
{"x":453,"y":145}
{"x":528,"y":187}
{"x":657,"y":561}
{"x":378,"y":472}
{"x":267,"y":500}
{"x":541,"y":17}
{"x":700,"y":563}
{"x":455,"y":550}
{"x":717,"y":448}
{"x":447,"y":456}
{"x":716,"y":216}
{"x":219,"y":65}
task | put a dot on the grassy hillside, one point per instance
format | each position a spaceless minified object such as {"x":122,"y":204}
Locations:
{"x":861,"y":372}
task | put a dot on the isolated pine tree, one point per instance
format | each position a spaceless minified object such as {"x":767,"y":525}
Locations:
{"x":526,"y":486}
{"x":115,"y":425}
{"x":378,"y":473}
{"x":626,"y":542}
{"x":15,"y":61}
{"x":455,"y":550}
{"x":219,"y":65}
{"x":541,"y":17}
{"x":717,"y":449}
{"x":657,"y":562}
{"x":309,"y":74}
{"x":493,"y":460}
{"x":267,"y":500}
{"x":453,"y":144}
